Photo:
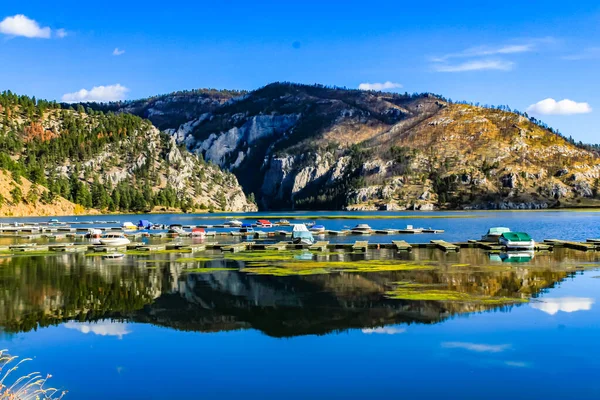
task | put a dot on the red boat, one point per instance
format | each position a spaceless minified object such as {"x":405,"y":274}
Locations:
{"x":198,"y":232}
{"x":264,"y":223}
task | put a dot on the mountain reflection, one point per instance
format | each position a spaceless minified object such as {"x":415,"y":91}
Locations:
{"x":42,"y":291}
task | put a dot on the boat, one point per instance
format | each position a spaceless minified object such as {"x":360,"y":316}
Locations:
{"x":493,"y":234}
{"x":53,"y":221}
{"x":264,"y":223}
{"x":113,"y":256}
{"x":176,"y":229}
{"x":283,"y":222}
{"x":247,"y":229}
{"x":144,"y":224}
{"x":317,"y":229}
{"x":301,"y":235}
{"x":235,"y":222}
{"x":516,"y":241}
{"x":114,"y":239}
{"x":128,"y":226}
{"x":361,"y":229}
{"x":310,"y":224}
{"x":198,"y":232}
{"x":517,"y":256}
{"x":93,"y":233}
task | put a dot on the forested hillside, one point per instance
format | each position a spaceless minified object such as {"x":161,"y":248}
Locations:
{"x":107,"y":161}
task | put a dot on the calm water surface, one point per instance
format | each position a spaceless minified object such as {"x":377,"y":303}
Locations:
{"x":154,"y":327}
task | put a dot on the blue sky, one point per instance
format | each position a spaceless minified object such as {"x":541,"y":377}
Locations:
{"x":489,"y":52}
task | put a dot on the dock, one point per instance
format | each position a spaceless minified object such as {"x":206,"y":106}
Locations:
{"x":573,"y":245}
{"x":401,"y":245}
{"x":360,"y":245}
{"x":277,"y":246}
{"x":443,"y":245}
{"x":319,"y":246}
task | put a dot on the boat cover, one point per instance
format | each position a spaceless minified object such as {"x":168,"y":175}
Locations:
{"x":144,"y":223}
{"x":516,"y":236}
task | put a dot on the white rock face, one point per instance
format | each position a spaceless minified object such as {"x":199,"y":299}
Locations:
{"x":310,"y":173}
{"x":218,"y":147}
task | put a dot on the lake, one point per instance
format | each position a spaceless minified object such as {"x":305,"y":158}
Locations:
{"x":293,"y":324}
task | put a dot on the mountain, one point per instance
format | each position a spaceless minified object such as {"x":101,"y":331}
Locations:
{"x":107,"y":161}
{"x":314,"y":147}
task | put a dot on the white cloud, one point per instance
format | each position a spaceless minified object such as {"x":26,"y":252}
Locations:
{"x":482,"y":51}
{"x":97,"y":94}
{"x":379,"y":86}
{"x":550,"y":106}
{"x":564,"y":304}
{"x":386,"y":330}
{"x":20,"y":25}
{"x":102,"y":328}
{"x":118,"y":52}
{"x":587,"y":54}
{"x":60,"y":33}
{"x":476,"y":65}
{"x":477,"y":347}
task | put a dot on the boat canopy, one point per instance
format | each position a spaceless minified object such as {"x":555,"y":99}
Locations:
{"x":300,"y":231}
{"x":300,"y":228}
{"x":362,"y":226}
{"x":498,"y":230}
{"x":264,"y":221}
{"x":517,"y":236}
{"x":246,"y":225}
{"x":198,"y":230}
{"x":144,"y":223}
{"x":318,"y":226}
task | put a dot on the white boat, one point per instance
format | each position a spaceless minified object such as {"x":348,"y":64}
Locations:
{"x":361,"y":229}
{"x":516,"y":241}
{"x":114,"y":239}
{"x":129,"y":226}
{"x":235,"y":222}
{"x":113,"y":256}
{"x":517,"y":256}
{"x":493,"y":234}
{"x":301,"y":235}
{"x":317,"y":229}
{"x":93,"y":233}
{"x":177,"y":230}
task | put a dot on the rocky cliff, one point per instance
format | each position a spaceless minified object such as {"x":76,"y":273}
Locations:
{"x":297,"y":146}
{"x":109,"y":161}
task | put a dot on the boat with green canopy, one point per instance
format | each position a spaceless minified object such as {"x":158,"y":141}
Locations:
{"x":516,"y":240}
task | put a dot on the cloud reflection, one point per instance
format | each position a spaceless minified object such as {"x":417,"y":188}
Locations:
{"x":565,"y":304}
{"x":385,"y":330}
{"x":477,"y":347}
{"x":517,"y":364}
{"x":102,"y":328}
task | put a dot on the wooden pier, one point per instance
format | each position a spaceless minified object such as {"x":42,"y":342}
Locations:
{"x":443,"y":245}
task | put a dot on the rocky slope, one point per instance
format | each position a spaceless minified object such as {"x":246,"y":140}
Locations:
{"x":108,"y":161}
{"x":297,"y":146}
{"x":22,"y":198}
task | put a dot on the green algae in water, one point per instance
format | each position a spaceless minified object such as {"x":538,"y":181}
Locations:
{"x":423,"y":292}
{"x":208,"y":270}
{"x":326,"y":267}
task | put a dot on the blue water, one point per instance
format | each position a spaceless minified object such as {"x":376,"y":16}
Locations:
{"x":521,"y":354}
{"x":227,"y":335}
